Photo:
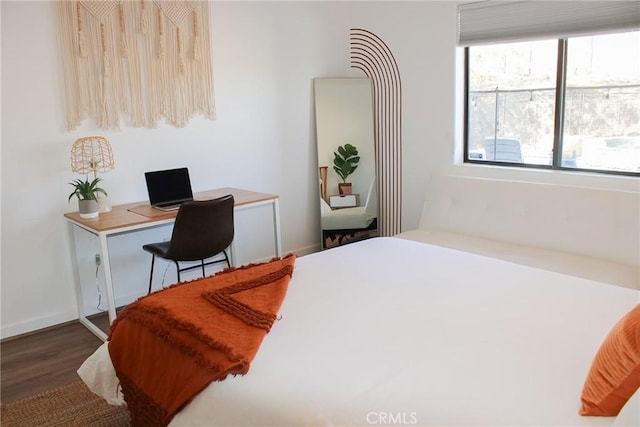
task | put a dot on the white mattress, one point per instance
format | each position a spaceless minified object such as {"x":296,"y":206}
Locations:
{"x":388,"y":329}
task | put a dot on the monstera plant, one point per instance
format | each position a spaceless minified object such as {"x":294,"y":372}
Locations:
{"x":345,"y":162}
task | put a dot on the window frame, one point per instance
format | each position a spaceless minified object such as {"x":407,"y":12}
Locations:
{"x":558,"y":132}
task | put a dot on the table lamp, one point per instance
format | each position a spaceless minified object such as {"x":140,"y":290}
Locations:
{"x":93,"y":154}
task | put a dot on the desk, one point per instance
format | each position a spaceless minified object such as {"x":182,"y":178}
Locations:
{"x":138,"y":216}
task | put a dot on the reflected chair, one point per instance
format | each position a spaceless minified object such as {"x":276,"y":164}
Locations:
{"x":202,"y":230}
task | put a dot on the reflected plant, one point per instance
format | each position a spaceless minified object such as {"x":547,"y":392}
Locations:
{"x":345,"y":160}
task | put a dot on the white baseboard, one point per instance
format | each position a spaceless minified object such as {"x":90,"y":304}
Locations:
{"x":32,"y":325}
{"x":307,"y":250}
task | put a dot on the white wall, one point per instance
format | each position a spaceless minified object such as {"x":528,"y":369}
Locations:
{"x":265,"y":56}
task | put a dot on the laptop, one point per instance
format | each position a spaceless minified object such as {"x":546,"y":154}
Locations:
{"x":168,"y":189}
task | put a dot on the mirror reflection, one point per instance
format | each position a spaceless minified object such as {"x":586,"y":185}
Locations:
{"x":346,"y":160}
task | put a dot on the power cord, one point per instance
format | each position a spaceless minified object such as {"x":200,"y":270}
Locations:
{"x":165,"y":273}
{"x":98,"y":264}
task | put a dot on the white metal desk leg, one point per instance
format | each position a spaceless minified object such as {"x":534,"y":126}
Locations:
{"x":276,"y":226}
{"x":76,"y":275}
{"x":232,"y":253}
{"x":108,"y":283}
{"x":82,"y":315}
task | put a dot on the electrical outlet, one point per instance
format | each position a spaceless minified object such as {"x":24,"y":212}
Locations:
{"x":98,"y":260}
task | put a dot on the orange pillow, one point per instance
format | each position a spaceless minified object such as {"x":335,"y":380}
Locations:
{"x":615,"y":371}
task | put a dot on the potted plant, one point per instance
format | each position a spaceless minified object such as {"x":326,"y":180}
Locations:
{"x":87,"y":193}
{"x":345,"y":162}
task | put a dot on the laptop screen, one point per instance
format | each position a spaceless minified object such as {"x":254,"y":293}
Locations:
{"x":168,"y":187}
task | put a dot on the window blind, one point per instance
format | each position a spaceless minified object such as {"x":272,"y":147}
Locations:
{"x":488,"y":22}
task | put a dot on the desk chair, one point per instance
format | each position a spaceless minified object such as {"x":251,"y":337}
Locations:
{"x":202,"y":230}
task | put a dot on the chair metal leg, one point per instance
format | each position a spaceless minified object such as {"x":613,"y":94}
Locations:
{"x":178,"y":270}
{"x":153,"y":258}
{"x":203,"y":273}
{"x":226,"y":258}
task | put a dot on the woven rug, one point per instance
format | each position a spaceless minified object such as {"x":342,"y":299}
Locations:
{"x":72,"y":405}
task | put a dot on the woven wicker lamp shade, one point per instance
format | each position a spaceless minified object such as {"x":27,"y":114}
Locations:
{"x":92,"y":154}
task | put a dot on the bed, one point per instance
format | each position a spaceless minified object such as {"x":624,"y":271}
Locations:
{"x":391,"y":331}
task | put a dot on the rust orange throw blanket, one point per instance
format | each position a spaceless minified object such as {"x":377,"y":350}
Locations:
{"x":168,"y":346}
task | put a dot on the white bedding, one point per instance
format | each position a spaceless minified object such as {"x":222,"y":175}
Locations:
{"x":392,"y":331}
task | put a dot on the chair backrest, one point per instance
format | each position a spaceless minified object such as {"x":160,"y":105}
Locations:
{"x":203,"y":228}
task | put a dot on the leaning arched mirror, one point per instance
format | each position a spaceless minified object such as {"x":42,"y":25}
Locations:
{"x":346,"y":155}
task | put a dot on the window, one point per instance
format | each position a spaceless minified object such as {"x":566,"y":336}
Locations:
{"x":553,"y":84}
{"x":571,"y":103}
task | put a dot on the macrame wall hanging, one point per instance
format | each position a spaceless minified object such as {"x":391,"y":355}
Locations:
{"x":144,"y":60}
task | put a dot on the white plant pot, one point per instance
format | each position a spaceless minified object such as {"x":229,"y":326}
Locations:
{"x":88,"y":209}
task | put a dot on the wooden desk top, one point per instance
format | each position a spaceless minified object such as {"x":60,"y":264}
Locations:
{"x":132,"y":214}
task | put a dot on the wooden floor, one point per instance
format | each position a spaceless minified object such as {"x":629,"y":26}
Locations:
{"x":43,"y":360}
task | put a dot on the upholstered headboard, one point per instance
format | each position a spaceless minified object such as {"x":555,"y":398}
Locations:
{"x":592,"y":222}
